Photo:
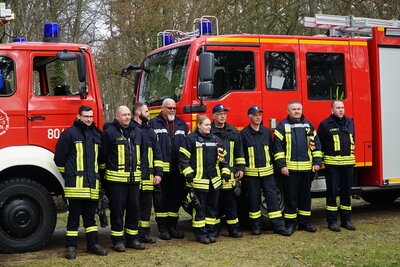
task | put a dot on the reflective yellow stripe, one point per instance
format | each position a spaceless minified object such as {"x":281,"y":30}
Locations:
{"x":144,"y":224}
{"x":71,"y":233}
{"x":331,"y":208}
{"x":339,"y":160}
{"x":173,"y":214}
{"x":211,"y":221}
{"x":342,"y":207}
{"x":79,"y":156}
{"x":197,"y":224}
{"x":255,"y":215}
{"x":162,"y":214}
{"x":121,"y":157}
{"x":336,"y":140}
{"x":96,"y":153}
{"x":131,"y":232}
{"x":240,"y":161}
{"x":279,"y":155}
{"x":288,"y":136}
{"x":279,"y":135}
{"x":252,"y":163}
{"x":352,"y":143}
{"x":79,"y":181}
{"x":267,"y":157}
{"x":91,"y":229}
{"x":150,"y":157}
{"x":274,"y":214}
{"x":327,"y":42}
{"x":137,"y":157}
{"x":187,"y":171}
{"x":61,"y":169}
{"x":185,"y":151}
{"x":199,"y":162}
{"x":234,"y":221}
{"x":231,"y":154}
{"x":290,"y":215}
{"x":304,"y":212}
{"x":117,"y":233}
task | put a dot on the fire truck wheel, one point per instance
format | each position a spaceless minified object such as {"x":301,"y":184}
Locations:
{"x":380,"y":197}
{"x":27,"y":213}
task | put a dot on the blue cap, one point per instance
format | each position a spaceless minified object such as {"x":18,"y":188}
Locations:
{"x":254,"y":110}
{"x":218,"y":108}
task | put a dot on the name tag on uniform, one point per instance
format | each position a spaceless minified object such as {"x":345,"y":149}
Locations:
{"x":179,"y":132}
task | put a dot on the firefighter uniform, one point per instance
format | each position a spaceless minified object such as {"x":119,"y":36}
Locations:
{"x":122,"y":152}
{"x":170,"y":136}
{"x":235,"y":158}
{"x":76,"y":156}
{"x":257,"y":146}
{"x":298,"y":148}
{"x":151,"y":165}
{"x":337,"y":138}
{"x":199,"y":164}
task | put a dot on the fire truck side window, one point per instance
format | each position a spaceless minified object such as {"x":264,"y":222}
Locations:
{"x":325,"y":76}
{"x":280,"y":69}
{"x":7,"y":76}
{"x":54,"y":77}
{"x":234,"y":71}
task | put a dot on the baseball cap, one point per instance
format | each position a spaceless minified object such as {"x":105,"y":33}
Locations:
{"x":218,"y":108}
{"x":254,"y":110}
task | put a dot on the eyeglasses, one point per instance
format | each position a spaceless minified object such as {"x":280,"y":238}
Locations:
{"x":170,"y":108}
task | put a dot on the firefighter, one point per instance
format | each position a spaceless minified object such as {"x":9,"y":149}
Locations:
{"x":122,"y":142}
{"x":297,"y":155}
{"x":337,"y":137}
{"x":258,"y":174}
{"x":202,"y":162}
{"x":171,"y":132}
{"x":235,"y":158}
{"x":151,"y":169}
{"x":76,"y":156}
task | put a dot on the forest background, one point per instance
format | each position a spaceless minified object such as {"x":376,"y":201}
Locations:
{"x":124,"y":31}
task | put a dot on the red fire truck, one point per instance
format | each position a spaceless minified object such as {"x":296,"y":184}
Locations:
{"x":199,"y":70}
{"x":42,"y":85}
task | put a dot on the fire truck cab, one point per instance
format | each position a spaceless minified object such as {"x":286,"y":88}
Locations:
{"x":42,"y":85}
{"x":199,"y":70}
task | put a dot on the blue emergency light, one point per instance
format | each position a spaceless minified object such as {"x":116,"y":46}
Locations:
{"x":19,"y":39}
{"x":167,"y":40}
{"x":206,"y":28}
{"x":51,"y":33}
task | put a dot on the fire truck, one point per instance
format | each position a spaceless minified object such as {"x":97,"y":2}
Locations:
{"x":42,"y":85}
{"x":356,"y":62}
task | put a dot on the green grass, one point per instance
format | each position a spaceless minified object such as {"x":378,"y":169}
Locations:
{"x":374,"y":243}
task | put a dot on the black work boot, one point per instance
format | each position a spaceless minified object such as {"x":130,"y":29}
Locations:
{"x":235,"y":234}
{"x":147,"y":239}
{"x":119,"y":247}
{"x":135,"y":244}
{"x":256,"y":231}
{"x":164,"y":234}
{"x":96,"y":249}
{"x":348,"y":225}
{"x":284,"y":232}
{"x":333,"y":227}
{"x":71,"y":253}
{"x":308,"y":227}
{"x":175,"y":233}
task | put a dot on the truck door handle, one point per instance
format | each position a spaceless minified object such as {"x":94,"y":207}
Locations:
{"x":36,"y":118}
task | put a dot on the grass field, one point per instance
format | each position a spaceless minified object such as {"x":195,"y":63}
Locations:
{"x":374,"y":243}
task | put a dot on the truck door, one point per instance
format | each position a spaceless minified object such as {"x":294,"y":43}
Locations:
{"x":280,"y":72}
{"x":12,"y":100}
{"x":54,"y":98}
{"x":325,"y":76}
{"x":236,"y":81}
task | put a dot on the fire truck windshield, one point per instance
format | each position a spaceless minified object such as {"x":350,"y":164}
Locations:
{"x":164,"y":76}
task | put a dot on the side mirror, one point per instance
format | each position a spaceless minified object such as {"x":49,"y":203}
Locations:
{"x":206,"y":89}
{"x":81,"y":64}
{"x":206,"y":67}
{"x":136,"y":85}
{"x":66,"y":55}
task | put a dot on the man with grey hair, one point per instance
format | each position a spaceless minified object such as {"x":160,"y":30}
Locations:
{"x":122,"y":143}
{"x":171,"y":132}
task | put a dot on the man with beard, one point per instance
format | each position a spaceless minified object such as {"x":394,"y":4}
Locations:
{"x":151,"y":166}
{"x":171,"y":132}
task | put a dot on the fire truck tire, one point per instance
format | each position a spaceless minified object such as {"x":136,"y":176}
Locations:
{"x":27,"y":215}
{"x":380,"y":197}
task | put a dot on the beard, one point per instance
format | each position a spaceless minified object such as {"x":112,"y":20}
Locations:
{"x":171,"y":117}
{"x":143,"y":118}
